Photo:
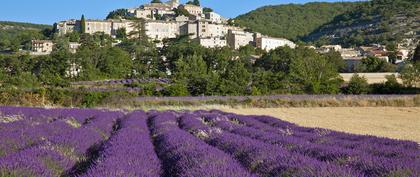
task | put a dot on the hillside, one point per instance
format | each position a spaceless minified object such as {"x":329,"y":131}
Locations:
{"x":349,"y":23}
{"x":14,"y":35}
{"x":5,"y":25}
{"x":292,"y":20}
{"x":378,"y":21}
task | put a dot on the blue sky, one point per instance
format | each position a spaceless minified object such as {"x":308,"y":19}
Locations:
{"x":50,"y":11}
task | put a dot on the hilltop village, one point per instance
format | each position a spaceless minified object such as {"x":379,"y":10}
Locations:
{"x":171,"y":19}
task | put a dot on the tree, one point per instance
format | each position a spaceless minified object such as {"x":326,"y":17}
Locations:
{"x":391,"y":86}
{"x":74,"y":36}
{"x":267,"y":82}
{"x":277,"y":60}
{"x":139,"y":29}
{"x":116,"y":63}
{"x":121,"y":33}
{"x":336,"y":59}
{"x":193,"y":71}
{"x":177,"y":89}
{"x":410,"y":75}
{"x":156,"y":1}
{"x":357,"y":85}
{"x":235,"y":80}
{"x":373,"y":64}
{"x":117,"y":14}
{"x":314,"y":74}
{"x":83,"y":24}
{"x":182,"y":12}
{"x":207,"y":10}
{"x":416,"y":57}
{"x":194,"y":2}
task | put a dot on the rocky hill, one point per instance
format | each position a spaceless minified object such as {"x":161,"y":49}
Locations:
{"x":7,"y":25}
{"x":378,"y":21}
{"x":347,"y":23}
{"x":292,"y":21}
{"x":16,"y":35}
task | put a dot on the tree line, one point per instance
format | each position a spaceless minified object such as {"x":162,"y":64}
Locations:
{"x":193,"y":69}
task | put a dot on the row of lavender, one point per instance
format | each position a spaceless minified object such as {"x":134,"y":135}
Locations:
{"x":270,"y":146}
{"x":123,"y":81}
{"x":71,"y":142}
{"x":39,"y":142}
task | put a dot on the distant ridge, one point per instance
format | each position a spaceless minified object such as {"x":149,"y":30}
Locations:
{"x":293,"y":21}
{"x":348,"y":23}
{"x":22,"y":25}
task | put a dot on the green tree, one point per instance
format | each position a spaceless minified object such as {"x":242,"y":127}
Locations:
{"x":357,"y":85}
{"x":182,"y":47}
{"x":118,"y":14}
{"x":121,"y":33}
{"x":139,"y":29}
{"x":182,"y":12}
{"x":207,"y":10}
{"x":410,"y":75}
{"x":336,"y":59}
{"x":267,"y":82}
{"x":416,"y":56}
{"x":156,"y":1}
{"x":314,"y":74}
{"x":373,"y":64}
{"x":83,"y":24}
{"x":193,"y":71}
{"x":177,"y":89}
{"x":277,"y":60}
{"x":116,"y":63}
{"x":236,"y":80}
{"x":194,"y":2}
{"x":74,"y":36}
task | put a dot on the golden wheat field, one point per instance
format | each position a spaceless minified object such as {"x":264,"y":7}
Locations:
{"x":393,"y":122}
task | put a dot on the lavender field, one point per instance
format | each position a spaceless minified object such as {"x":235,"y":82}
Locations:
{"x":91,"y":143}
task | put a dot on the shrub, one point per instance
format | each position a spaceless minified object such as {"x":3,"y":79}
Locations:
{"x":357,"y":85}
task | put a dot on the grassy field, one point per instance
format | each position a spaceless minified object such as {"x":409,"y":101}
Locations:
{"x":393,"y":122}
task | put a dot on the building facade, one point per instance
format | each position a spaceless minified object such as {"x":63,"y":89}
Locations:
{"x":269,"y":43}
{"x":42,"y":47}
{"x":212,"y":42}
{"x":162,"y":22}
{"x":207,"y":29}
{"x":159,"y":30}
{"x":68,"y":26}
{"x":193,"y":9}
{"x":237,"y":38}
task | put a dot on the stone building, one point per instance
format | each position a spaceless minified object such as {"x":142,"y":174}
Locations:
{"x":109,"y":27}
{"x":161,"y":22}
{"x":68,"y":26}
{"x":215,"y":18}
{"x":98,"y":26}
{"x":239,"y":38}
{"x":270,"y":43}
{"x":212,"y":42}
{"x":73,"y":46}
{"x":207,"y":29}
{"x":159,"y":30}
{"x":193,"y":9}
{"x":328,"y":48}
{"x":42,"y":47}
